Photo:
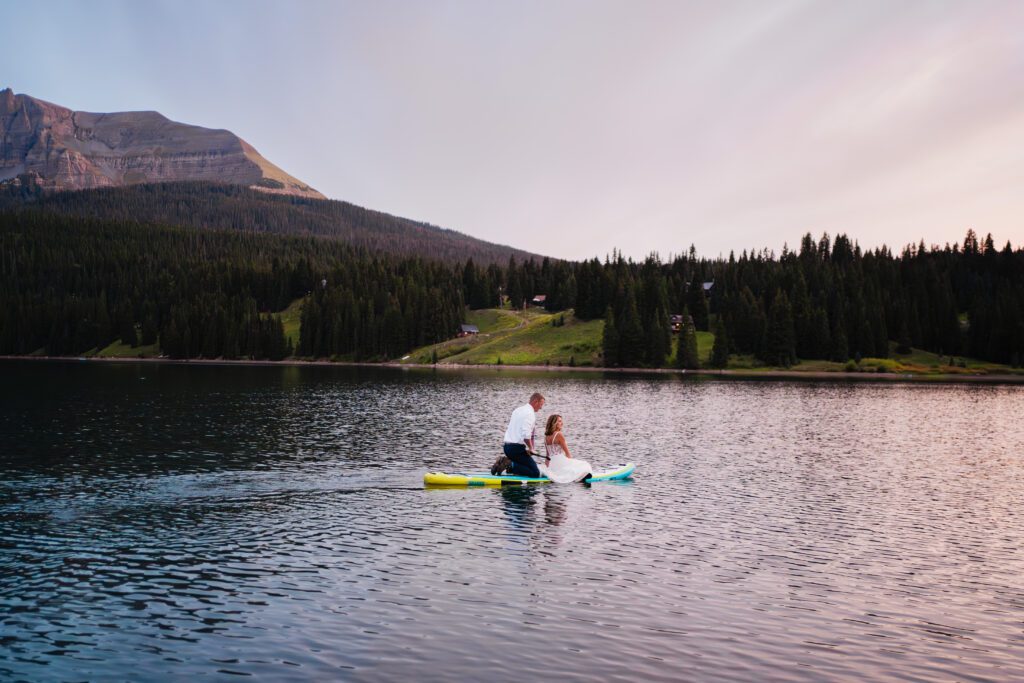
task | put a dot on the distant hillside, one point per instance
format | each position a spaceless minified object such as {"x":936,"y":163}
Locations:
{"x":207,"y":205}
{"x":61,"y":149}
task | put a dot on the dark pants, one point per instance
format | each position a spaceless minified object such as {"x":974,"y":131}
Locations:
{"x":522,"y":463}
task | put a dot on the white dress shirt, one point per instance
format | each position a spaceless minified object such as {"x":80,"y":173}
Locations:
{"x":520,"y":427}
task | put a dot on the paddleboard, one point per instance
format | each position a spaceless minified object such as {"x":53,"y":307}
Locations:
{"x":488,"y":479}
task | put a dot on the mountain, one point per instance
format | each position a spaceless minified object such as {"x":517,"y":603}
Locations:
{"x":61,"y":149}
{"x":230,"y":207}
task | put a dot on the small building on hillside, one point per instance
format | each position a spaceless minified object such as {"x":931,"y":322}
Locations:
{"x":539,"y":299}
{"x":708,"y":287}
{"x":466,"y":330}
{"x":677,"y":320}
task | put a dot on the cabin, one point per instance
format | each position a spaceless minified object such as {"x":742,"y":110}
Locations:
{"x":708,"y":287}
{"x":467,"y":330}
{"x":676,"y":322}
{"x":539,"y":299}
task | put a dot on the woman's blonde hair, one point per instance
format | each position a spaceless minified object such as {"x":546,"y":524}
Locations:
{"x":549,"y":426}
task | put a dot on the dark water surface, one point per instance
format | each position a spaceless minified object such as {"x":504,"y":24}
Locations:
{"x":164,"y":522}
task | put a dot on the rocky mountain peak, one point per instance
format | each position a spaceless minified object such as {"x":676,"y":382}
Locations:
{"x":61,"y":149}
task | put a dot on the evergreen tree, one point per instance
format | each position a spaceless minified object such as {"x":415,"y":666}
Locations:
{"x":780,"y":347}
{"x":720,"y":351}
{"x":128,"y":334}
{"x":820,"y":345}
{"x":610,"y":340}
{"x":903,"y":342}
{"x":840,"y":347}
{"x":686,"y":354}
{"x":514,"y":287}
{"x":631,"y":335}
{"x":149,"y":331}
{"x":697,"y":302}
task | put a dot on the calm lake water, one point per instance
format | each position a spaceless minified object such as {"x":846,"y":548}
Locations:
{"x":164,"y":522}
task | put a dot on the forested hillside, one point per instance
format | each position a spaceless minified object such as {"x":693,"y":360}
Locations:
{"x":232,"y":207}
{"x":68,"y":285}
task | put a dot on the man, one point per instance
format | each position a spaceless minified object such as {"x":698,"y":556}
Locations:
{"x":519,"y":440}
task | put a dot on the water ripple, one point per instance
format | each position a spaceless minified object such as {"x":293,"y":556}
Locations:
{"x":271,"y":522}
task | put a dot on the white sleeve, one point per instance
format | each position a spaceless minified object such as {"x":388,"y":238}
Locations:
{"x":528,"y":424}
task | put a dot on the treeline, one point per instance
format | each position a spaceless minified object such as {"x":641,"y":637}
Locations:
{"x":828,"y":300}
{"x":231,"y":207}
{"x":70,"y":285}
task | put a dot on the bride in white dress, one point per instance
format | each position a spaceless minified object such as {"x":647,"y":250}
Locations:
{"x":561,"y":467}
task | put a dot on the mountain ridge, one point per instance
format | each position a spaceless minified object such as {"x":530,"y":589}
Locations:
{"x":58,"y":148}
{"x":204,"y":205}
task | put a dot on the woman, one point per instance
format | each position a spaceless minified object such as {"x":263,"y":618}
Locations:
{"x":561,"y":467}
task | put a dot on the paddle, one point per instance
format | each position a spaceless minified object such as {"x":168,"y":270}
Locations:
{"x":538,"y":456}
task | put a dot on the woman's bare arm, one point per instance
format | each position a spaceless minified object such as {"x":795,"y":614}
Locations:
{"x":560,"y":440}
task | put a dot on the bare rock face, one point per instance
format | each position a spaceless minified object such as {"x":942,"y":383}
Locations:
{"x":75,"y":150}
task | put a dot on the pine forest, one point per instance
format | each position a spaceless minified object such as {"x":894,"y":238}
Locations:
{"x":69,"y":284}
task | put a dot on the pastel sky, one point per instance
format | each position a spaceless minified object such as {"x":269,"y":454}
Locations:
{"x":572,"y":127}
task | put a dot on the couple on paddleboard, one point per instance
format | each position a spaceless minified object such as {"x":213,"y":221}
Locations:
{"x":559,"y":466}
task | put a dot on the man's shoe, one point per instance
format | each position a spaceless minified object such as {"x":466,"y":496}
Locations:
{"x":500,"y":465}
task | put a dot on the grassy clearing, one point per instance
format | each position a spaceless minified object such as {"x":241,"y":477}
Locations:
{"x":540,"y":343}
{"x":490,"y":320}
{"x":290,"y":318}
{"x":917,"y":362}
{"x":931,"y":363}
{"x":528,"y":338}
{"x":118,"y":349}
{"x":918,"y":357}
{"x":519,"y":338}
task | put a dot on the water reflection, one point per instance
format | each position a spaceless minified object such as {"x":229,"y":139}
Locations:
{"x":519,"y":502}
{"x":532,"y":505}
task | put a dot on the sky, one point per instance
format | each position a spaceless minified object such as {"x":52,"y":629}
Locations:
{"x":572,"y":128}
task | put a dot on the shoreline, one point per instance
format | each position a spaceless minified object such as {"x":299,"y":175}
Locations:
{"x":740,"y":375}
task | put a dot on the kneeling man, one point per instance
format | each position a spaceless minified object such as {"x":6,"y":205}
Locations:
{"x":519,"y":438}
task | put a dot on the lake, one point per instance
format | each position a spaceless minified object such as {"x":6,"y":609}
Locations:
{"x":161,"y":522}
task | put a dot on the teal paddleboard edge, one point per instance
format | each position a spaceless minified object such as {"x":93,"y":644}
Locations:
{"x":621,"y":472}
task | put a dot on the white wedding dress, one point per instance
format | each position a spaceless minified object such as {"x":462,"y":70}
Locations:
{"x":560,"y":469}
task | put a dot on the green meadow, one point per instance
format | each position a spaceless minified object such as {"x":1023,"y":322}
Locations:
{"x":530,"y":337}
{"x":537,"y":337}
{"x":290,"y":318}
